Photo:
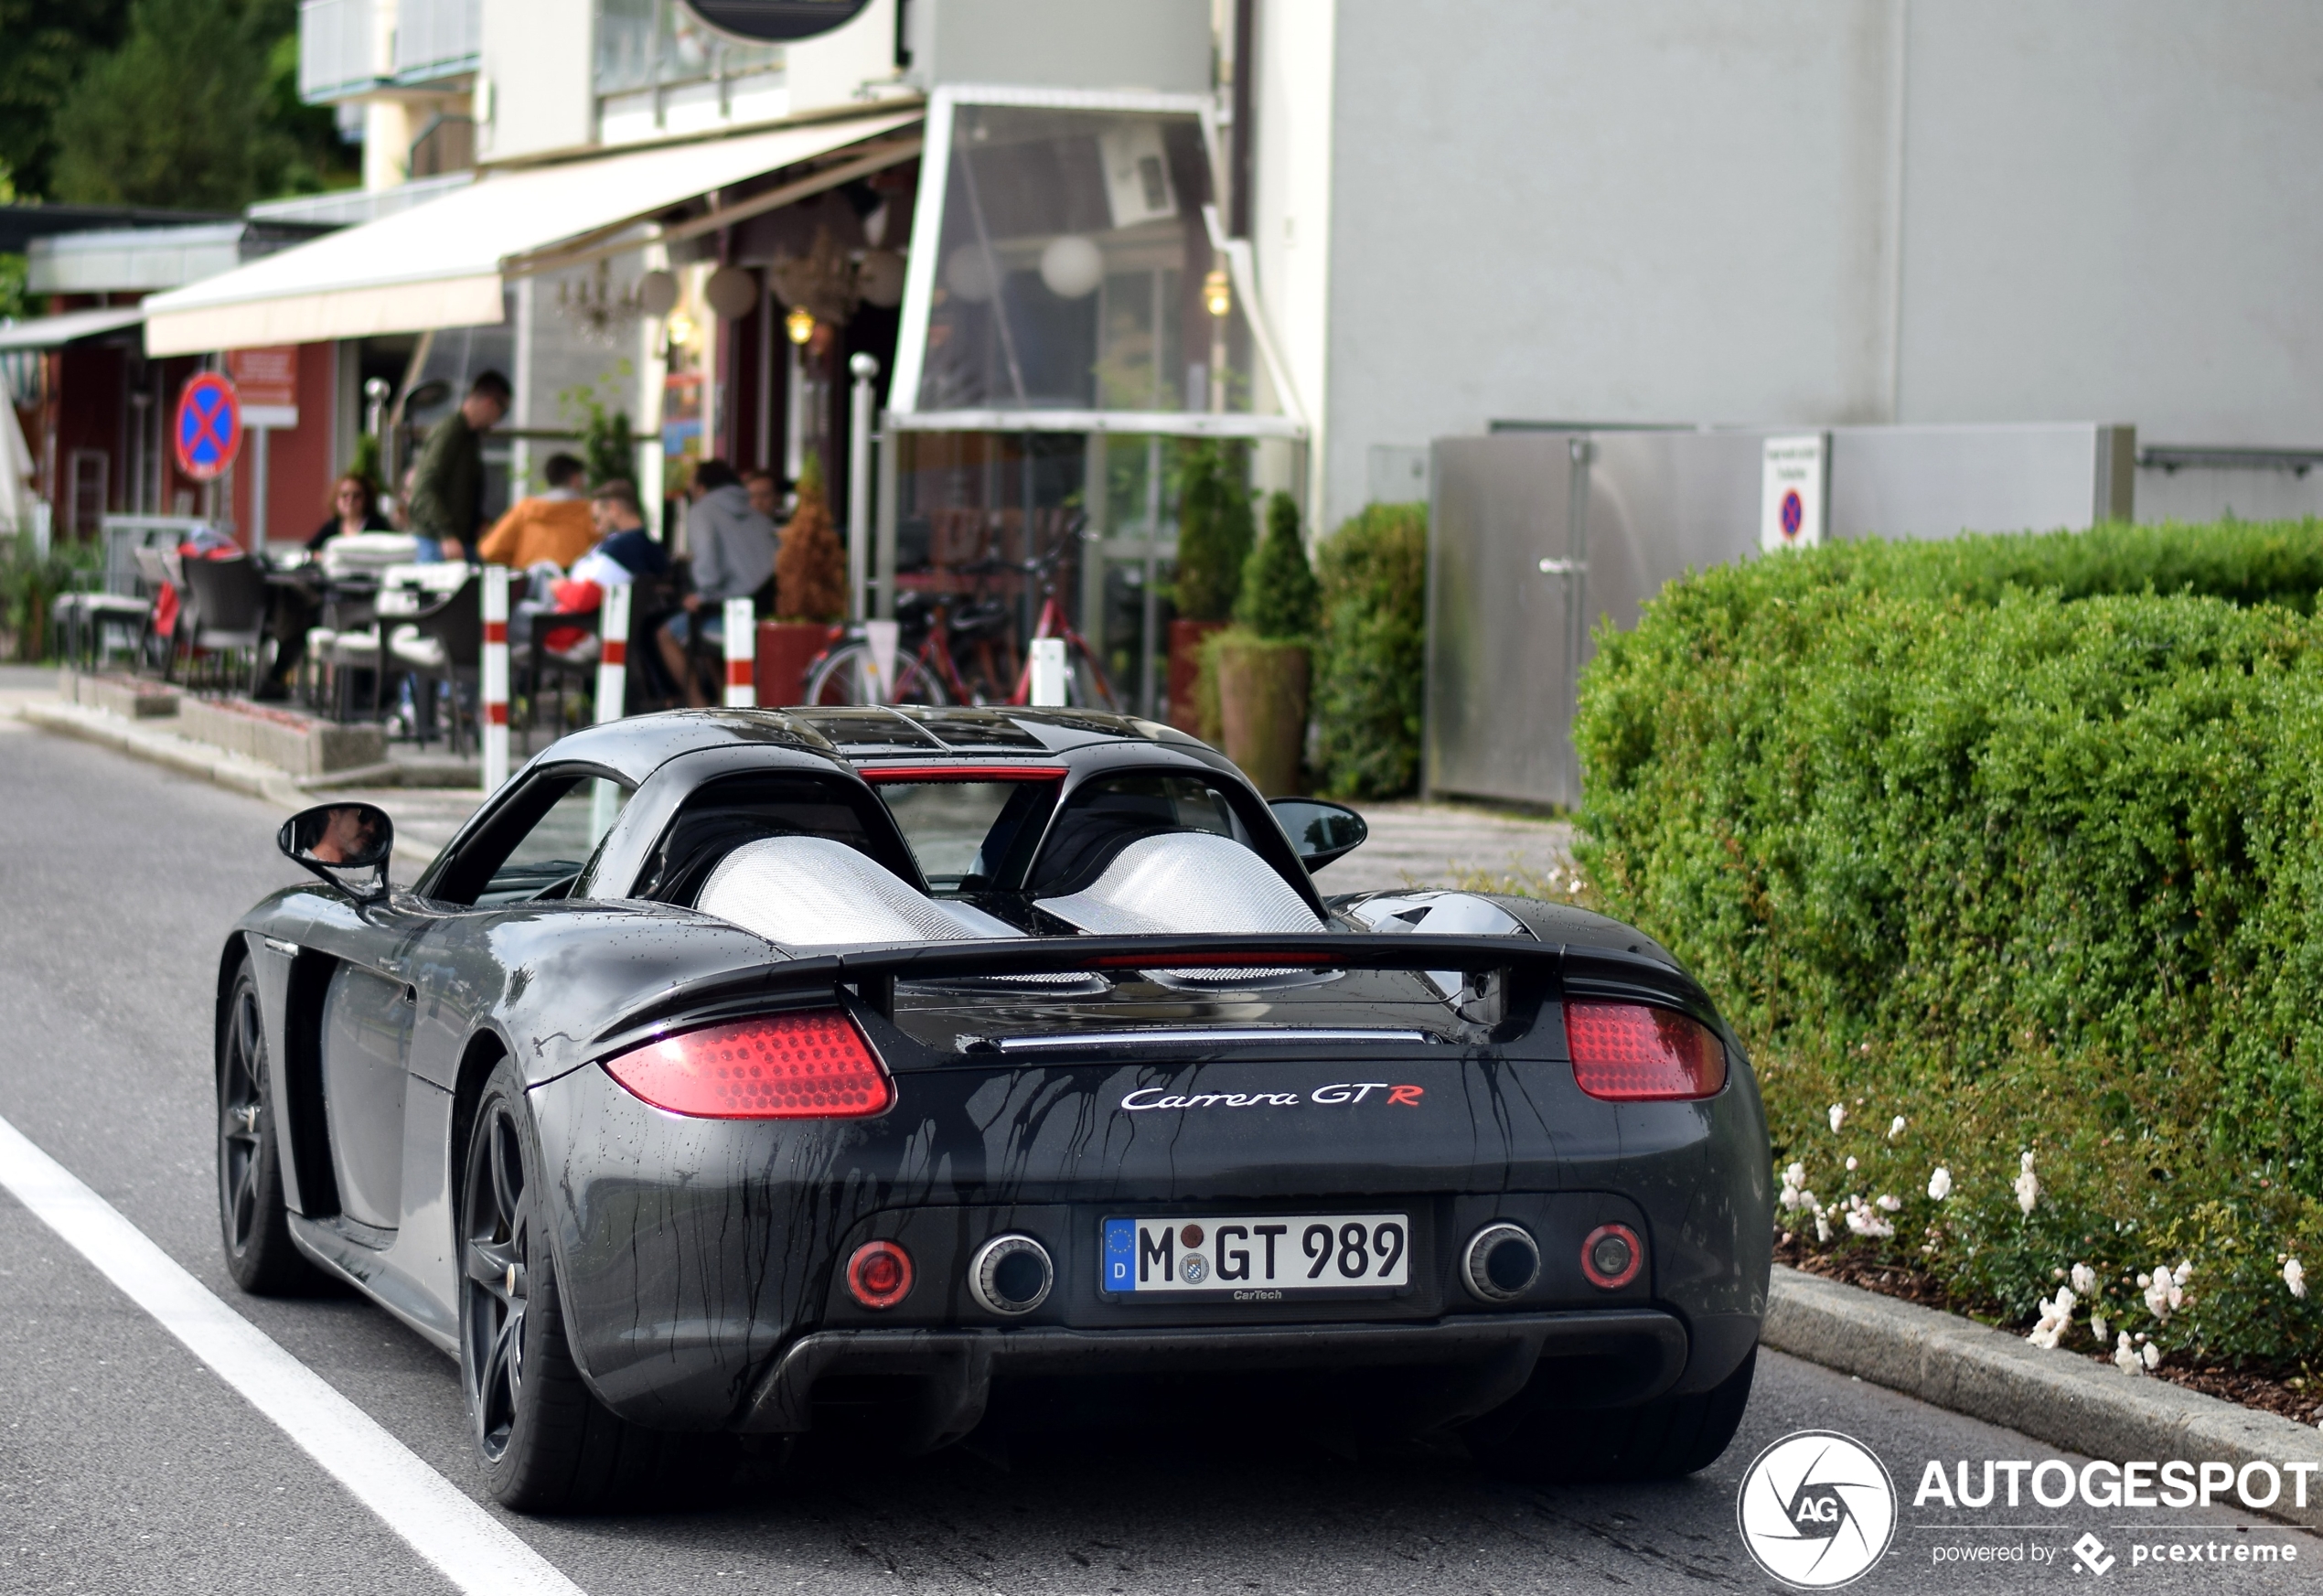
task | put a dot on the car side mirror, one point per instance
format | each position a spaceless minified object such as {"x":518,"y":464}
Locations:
{"x":342,"y":843}
{"x":1320,"y":831}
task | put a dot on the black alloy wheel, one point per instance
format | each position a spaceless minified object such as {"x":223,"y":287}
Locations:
{"x":545,"y":1443}
{"x":496,"y":1239}
{"x":253,"y":1220}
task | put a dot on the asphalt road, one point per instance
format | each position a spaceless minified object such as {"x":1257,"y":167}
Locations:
{"x":126,"y":1466}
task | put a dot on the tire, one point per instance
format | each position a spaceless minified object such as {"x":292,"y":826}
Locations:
{"x":841,"y":677}
{"x":545,"y":1443}
{"x":1662,"y":1440}
{"x":253,"y":1222}
{"x":918,"y":682}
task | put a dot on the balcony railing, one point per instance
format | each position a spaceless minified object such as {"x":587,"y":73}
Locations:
{"x":336,"y":49}
{"x":437,"y":39}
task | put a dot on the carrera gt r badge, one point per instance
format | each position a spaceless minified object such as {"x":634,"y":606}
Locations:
{"x":1146,"y":1098}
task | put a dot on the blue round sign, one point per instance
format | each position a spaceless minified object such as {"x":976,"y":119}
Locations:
{"x":209,"y":433}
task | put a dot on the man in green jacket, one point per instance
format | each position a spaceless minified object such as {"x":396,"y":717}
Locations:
{"x":447,"y":483}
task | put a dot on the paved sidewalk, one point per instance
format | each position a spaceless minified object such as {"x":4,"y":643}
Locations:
{"x":1414,"y":844}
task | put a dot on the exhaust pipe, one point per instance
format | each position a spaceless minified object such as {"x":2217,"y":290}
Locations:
{"x":1500,"y":1264}
{"x":1011,"y":1275}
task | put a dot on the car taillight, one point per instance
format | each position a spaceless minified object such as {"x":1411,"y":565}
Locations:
{"x":808,"y":1066}
{"x":1634,"y":1053}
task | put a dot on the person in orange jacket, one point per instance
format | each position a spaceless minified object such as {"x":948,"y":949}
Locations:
{"x":555,"y":526}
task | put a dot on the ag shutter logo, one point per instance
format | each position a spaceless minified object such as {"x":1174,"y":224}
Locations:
{"x":1817,"y":1510}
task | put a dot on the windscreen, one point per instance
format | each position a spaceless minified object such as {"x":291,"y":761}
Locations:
{"x":962,"y":832}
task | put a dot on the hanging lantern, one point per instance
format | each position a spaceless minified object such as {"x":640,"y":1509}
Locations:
{"x":800,"y":324}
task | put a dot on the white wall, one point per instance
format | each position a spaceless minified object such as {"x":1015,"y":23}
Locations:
{"x":2114,"y":210}
{"x":1290,"y":192}
{"x":540,"y":59}
{"x":1690,"y":211}
{"x":1611,"y":209}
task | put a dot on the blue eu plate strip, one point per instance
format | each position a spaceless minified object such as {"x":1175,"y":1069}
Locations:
{"x":1120,"y":1255}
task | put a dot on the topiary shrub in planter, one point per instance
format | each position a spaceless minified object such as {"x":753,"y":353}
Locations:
{"x":810,"y":592}
{"x":1369,"y":654}
{"x":1216,"y":530}
{"x":1260,"y":666}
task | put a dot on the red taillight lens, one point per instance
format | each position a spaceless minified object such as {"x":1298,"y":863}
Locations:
{"x":1633,"y":1053}
{"x":809,"y":1066}
{"x":880,"y":1274}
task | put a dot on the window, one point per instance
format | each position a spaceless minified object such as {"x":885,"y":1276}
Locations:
{"x":535,"y":845}
{"x":647,"y":44}
{"x":727,"y":813}
{"x":1107,"y":816}
{"x":962,"y":832}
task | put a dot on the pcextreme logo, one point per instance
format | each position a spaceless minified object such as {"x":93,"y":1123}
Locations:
{"x":1817,"y":1510}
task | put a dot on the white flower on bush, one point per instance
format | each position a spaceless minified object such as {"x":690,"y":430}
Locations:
{"x":2027,"y":1184}
{"x":2166,"y":1288}
{"x":1890,"y":1202}
{"x":1795,"y":1179}
{"x":2085,"y":1278}
{"x":2097,"y":1328}
{"x":1940,"y":1184}
{"x":2295,"y":1277}
{"x":2153,"y":1356}
{"x":1838,"y":1116}
{"x":2125,"y":1356}
{"x":1821,"y":1227}
{"x":1864,"y":1220}
{"x":1851,"y":1163}
{"x":1896,"y":1128}
{"x":2055,"y":1318}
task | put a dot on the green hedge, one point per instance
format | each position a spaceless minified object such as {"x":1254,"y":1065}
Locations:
{"x":2021,"y":840}
{"x":1369,"y":666}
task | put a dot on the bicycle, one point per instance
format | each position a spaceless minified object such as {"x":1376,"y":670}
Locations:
{"x":928,"y":669}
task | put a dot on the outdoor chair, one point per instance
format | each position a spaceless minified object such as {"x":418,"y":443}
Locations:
{"x":570,"y":670}
{"x":86,"y":625}
{"x":444,"y":642}
{"x":225,"y":611}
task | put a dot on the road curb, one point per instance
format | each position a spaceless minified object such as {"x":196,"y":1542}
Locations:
{"x":2056,"y":1397}
{"x":183,"y":755}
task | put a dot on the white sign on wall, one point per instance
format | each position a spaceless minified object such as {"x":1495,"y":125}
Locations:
{"x":1793,"y":492}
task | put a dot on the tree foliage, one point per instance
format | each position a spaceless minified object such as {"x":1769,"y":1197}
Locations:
{"x":197,"y":109}
{"x":44,"y":45}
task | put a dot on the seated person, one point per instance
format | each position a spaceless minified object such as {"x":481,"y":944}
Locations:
{"x":292,"y":610}
{"x":625,"y":552}
{"x":355,"y":507}
{"x":733,"y":549}
{"x":553,"y":527}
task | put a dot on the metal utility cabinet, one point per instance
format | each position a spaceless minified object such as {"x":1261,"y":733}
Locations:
{"x":1536,"y":537}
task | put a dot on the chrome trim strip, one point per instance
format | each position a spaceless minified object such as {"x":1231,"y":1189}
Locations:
{"x":1200,"y":1036}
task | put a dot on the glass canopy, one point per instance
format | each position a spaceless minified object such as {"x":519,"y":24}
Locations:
{"x":1073,"y":278}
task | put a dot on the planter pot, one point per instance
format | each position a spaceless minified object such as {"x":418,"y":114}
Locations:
{"x":1262,"y":706}
{"x":1186,"y":670}
{"x":785,"y":649}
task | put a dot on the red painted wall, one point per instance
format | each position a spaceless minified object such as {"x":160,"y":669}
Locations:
{"x":299,"y":474}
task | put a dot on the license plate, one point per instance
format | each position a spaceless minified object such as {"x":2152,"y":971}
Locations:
{"x":1261,"y":1260}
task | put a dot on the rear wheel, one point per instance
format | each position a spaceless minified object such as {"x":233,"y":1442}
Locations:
{"x":545,"y":1443}
{"x":1661,"y":1440}
{"x":252,"y":1219}
{"x":842,"y":677}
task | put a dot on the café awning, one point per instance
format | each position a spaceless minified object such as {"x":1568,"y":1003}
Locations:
{"x":445,"y":263}
{"x":53,"y":332}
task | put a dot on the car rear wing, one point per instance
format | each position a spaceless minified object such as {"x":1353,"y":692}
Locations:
{"x":1507,"y":976}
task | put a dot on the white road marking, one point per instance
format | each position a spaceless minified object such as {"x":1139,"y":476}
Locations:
{"x":470,"y":1548}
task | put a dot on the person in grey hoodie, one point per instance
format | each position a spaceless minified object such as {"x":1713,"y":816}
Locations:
{"x":732,"y":547}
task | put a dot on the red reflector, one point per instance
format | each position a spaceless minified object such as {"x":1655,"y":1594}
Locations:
{"x":880,"y":1274}
{"x":808,"y":1066}
{"x":1631,"y":1052}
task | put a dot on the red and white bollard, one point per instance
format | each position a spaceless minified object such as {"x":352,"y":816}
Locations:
{"x":493,"y":711}
{"x":742,"y":655}
{"x":612,"y":659}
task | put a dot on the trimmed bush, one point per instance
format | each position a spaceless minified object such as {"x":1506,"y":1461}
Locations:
{"x":1372,"y":574}
{"x":1215,"y":530}
{"x":1277,"y":597}
{"x":2020,"y":840}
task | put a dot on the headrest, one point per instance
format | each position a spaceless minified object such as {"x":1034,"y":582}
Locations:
{"x":1185,"y":884}
{"x":810,"y":892}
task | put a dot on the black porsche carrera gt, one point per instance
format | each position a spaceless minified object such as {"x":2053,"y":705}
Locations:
{"x":873,"y":1071}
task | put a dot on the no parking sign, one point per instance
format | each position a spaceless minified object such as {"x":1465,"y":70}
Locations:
{"x":208,"y":432}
